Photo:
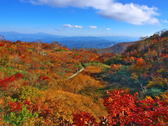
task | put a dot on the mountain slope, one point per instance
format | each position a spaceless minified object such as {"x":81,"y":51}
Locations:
{"x":117,"y":48}
{"x":47,"y":84}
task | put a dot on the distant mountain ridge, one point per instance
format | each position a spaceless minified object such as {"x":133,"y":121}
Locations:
{"x":117,"y":48}
{"x":69,"y":41}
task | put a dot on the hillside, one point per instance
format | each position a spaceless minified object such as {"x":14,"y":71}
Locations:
{"x":146,"y":60}
{"x":116,"y":48}
{"x":45,"y":84}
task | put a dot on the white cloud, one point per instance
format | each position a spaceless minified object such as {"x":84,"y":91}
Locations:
{"x":108,"y":29}
{"x":73,"y":26}
{"x":93,"y":27}
{"x":68,"y":25}
{"x":130,"y":12}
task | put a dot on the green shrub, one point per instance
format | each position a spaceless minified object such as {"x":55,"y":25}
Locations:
{"x":154,"y":92}
{"x":115,"y":60}
{"x":28,"y":92}
{"x":18,"y":119}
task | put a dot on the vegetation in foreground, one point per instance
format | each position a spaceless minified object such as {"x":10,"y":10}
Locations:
{"x":40,"y":85}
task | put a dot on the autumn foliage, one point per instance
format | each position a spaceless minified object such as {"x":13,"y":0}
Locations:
{"x":5,"y":82}
{"x":132,"y":111}
{"x":128,"y":111}
{"x":49,"y":85}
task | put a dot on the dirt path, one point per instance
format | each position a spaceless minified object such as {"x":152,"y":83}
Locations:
{"x":75,"y":74}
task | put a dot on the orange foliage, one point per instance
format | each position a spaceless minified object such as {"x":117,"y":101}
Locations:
{"x":93,"y":69}
{"x":140,"y":61}
{"x":116,"y":66}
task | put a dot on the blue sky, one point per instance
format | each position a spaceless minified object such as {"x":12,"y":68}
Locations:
{"x":84,"y":17}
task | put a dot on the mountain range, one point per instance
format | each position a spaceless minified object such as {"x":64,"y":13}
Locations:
{"x":68,"y":41}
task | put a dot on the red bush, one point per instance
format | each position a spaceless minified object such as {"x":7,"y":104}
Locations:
{"x":84,"y":119}
{"x":126,"y":109}
{"x":5,"y":82}
{"x":15,"y":106}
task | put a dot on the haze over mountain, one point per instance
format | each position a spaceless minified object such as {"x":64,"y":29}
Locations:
{"x":69,"y":41}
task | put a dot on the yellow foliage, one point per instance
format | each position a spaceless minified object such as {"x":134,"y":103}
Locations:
{"x":76,"y":84}
{"x":1,"y":101}
{"x":134,"y":76}
{"x":65,"y":104}
{"x":165,"y":96}
{"x":157,"y":81}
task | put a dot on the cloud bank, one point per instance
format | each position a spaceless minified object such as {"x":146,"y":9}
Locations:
{"x":73,"y":26}
{"x":130,"y":12}
{"x":93,"y":27}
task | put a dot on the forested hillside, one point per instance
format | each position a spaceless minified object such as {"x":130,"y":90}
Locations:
{"x":50,"y":85}
{"x":116,"y":48}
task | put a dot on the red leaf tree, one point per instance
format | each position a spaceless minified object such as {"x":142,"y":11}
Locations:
{"x":126,"y":109}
